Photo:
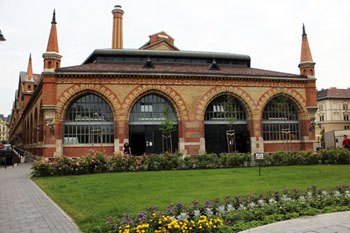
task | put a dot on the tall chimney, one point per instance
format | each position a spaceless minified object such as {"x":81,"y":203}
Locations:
{"x":117,"y":41}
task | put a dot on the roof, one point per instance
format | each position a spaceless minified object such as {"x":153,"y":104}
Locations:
{"x":333,"y":93}
{"x":36,"y":77}
{"x":2,"y":117}
{"x":163,"y":53}
{"x":173,"y":69}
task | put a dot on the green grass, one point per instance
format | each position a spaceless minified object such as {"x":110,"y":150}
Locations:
{"x":90,"y":199}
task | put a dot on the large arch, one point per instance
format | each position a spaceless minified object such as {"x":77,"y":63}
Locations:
{"x":289,"y":134}
{"x":214,"y":92}
{"x":88,"y":119}
{"x":167,"y":92}
{"x":145,"y":118}
{"x":295,"y":96}
{"x":226,"y":125}
{"x":77,"y":90}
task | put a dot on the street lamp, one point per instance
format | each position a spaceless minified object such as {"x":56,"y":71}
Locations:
{"x":2,"y":38}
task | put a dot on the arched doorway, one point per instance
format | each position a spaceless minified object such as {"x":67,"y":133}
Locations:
{"x":280,"y":121}
{"x":89,"y":120}
{"x":225,"y":126}
{"x":146,"y":118}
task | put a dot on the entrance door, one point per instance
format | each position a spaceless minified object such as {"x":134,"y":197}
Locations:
{"x":137,"y":143}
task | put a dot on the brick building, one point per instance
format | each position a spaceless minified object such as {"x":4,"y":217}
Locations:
{"x":215,"y":101}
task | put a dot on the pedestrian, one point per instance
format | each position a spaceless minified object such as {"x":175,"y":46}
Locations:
{"x":346,"y":142}
{"x":127,"y":148}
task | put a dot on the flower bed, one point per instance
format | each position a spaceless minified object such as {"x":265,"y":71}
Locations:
{"x":233,"y":215}
{"x":99,"y":162}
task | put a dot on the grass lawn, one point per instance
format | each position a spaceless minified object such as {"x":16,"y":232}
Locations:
{"x":90,"y":199}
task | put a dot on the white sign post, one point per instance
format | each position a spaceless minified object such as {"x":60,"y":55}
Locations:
{"x":259,"y":157}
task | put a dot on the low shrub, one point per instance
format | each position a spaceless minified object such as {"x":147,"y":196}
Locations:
{"x":99,"y":162}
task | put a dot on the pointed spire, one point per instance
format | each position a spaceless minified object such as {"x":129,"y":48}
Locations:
{"x":30,"y":68}
{"x":54,"y":16}
{"x":306,"y":64}
{"x":52,"y":46}
{"x":305,"y":48}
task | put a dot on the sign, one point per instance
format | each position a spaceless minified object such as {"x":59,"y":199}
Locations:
{"x":259,"y":156}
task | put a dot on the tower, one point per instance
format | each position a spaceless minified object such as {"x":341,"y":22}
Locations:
{"x":52,"y":58}
{"x":306,"y":64}
{"x":117,"y":40}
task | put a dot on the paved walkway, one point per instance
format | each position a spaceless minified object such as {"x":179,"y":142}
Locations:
{"x":325,"y":223}
{"x":24,"y":208}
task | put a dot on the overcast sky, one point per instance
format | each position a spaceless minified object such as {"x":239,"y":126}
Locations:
{"x":268,"y":31}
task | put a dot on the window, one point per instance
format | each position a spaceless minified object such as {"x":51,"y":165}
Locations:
{"x":89,"y":120}
{"x":146,"y":107}
{"x":345,"y":106}
{"x":321,"y":117}
{"x":225,"y":108}
{"x":346,"y":117}
{"x":320,"y":107}
{"x":149,"y":110}
{"x":346,"y":126}
{"x":280,"y":120}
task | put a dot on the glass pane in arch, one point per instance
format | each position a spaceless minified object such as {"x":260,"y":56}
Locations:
{"x":225,"y":109}
{"x":89,"y":120}
{"x":149,"y":110}
{"x":280,"y":120}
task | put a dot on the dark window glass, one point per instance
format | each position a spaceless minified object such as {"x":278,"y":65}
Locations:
{"x":89,"y":120}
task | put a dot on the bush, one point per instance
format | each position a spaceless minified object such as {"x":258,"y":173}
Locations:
{"x":99,"y":162}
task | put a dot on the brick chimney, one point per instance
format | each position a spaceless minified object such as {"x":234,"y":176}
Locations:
{"x":117,"y":40}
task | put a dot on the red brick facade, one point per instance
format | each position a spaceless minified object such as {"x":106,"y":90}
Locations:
{"x":39,"y":128}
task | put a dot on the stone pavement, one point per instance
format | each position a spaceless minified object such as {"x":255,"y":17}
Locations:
{"x":24,"y":208}
{"x":325,"y":223}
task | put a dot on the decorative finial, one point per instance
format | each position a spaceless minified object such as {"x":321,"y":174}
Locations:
{"x":2,"y":38}
{"x":304,"y":33}
{"x":54,"y":16}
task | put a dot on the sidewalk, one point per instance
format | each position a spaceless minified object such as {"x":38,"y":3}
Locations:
{"x":24,"y":208}
{"x":325,"y":223}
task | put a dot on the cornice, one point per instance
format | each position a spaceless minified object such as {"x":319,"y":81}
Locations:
{"x":182,"y":76}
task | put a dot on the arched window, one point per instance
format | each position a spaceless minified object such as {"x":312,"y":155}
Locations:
{"x":89,"y":120}
{"x":225,"y":109}
{"x":149,"y":110}
{"x":280,"y":120}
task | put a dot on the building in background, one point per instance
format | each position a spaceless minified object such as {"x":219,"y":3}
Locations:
{"x":333,"y":110}
{"x":4,"y":129}
{"x":212,"y":102}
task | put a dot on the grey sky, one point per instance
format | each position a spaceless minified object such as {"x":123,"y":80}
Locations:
{"x":268,"y":31}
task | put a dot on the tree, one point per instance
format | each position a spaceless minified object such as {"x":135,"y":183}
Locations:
{"x":230,"y":116}
{"x":167,"y":127}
